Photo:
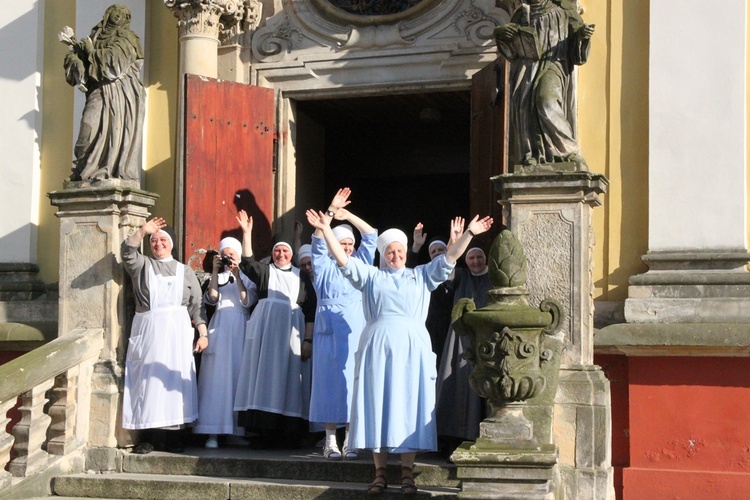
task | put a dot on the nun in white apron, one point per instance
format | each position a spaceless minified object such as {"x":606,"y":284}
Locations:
{"x":273,"y":393}
{"x":232,"y":293}
{"x":160,"y":382}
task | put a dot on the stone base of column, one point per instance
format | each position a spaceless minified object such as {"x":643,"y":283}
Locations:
{"x":583,"y":433}
{"x":489,"y":470}
{"x":95,"y":290}
{"x":18,"y":281}
{"x":691,"y":287}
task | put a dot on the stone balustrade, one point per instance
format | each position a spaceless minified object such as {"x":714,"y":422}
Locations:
{"x":54,"y":406}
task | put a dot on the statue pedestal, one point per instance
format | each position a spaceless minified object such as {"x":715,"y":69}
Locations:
{"x":506,"y":472}
{"x":94,"y":221}
{"x":551,"y":214}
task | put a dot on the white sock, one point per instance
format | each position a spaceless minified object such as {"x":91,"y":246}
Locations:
{"x":331,"y":438}
{"x":346,"y":440}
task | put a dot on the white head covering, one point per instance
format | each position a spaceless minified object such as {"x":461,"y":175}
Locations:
{"x":283,"y":244}
{"x":232,"y":243}
{"x":304,"y":251}
{"x":343,"y":231}
{"x":386,"y":238}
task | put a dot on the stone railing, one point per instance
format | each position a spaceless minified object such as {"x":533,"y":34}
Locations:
{"x":53,"y":385}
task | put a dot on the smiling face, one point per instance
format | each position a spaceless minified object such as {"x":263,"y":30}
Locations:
{"x":476,"y":261}
{"x":282,"y":256}
{"x":435,"y":250}
{"x":161,"y":245}
{"x":348,"y":245}
{"x":395,"y":255}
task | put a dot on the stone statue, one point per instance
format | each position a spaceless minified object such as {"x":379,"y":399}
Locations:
{"x":543,"y":42}
{"x":106,"y":65}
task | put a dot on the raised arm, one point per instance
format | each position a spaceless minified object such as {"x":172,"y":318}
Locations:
{"x":149,"y":227}
{"x":476,"y":226}
{"x":362,"y":226}
{"x":322,"y":223}
{"x":246,"y":223}
{"x":419,"y":238}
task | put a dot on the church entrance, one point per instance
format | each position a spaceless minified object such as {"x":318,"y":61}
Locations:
{"x":406,"y":157}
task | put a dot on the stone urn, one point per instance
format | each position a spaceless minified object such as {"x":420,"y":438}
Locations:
{"x":515,"y":351}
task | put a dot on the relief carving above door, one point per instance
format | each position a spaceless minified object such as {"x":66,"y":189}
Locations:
{"x":306,"y":28}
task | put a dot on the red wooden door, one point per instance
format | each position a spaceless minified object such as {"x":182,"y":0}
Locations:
{"x":229,"y":155}
{"x":489,"y":138}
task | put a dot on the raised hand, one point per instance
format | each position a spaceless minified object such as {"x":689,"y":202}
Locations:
{"x":479,"y":226}
{"x":340,"y":199}
{"x":317,"y":219}
{"x":457,"y":229}
{"x":419,"y":235}
{"x":246,"y":223}
{"x":154,"y":225}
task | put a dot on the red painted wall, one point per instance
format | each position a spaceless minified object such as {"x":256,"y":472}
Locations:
{"x":689,"y":421}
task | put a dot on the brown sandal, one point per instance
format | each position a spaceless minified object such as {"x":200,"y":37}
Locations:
{"x":380,"y":483}
{"x":408,"y":487}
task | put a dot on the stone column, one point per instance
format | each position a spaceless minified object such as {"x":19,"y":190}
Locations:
{"x":200,"y":23}
{"x":551,"y":214}
{"x":93,"y":287}
{"x":697,"y":188}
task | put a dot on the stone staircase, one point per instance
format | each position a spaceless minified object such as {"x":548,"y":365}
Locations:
{"x":244,"y":473}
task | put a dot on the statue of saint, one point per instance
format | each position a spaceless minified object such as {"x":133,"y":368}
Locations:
{"x":543,"y":42}
{"x":106,"y":65}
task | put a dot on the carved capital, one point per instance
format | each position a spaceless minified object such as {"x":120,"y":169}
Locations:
{"x":206,"y":17}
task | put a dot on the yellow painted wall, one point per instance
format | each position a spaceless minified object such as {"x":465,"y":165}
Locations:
{"x":613,"y":131}
{"x":162,"y":57}
{"x":57,"y":133}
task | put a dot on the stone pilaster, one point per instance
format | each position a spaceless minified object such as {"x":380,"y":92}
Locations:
{"x":697,"y":178}
{"x":94,"y":293}
{"x":551,"y":214}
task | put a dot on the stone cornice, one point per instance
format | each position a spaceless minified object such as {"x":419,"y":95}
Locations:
{"x":206,"y":17}
{"x":674,"y":339}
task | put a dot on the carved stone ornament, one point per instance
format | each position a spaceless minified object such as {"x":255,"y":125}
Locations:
{"x":515,"y":350}
{"x":206,"y":17}
{"x":314,"y":26}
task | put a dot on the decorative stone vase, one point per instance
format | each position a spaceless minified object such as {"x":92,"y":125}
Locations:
{"x":515,"y":350}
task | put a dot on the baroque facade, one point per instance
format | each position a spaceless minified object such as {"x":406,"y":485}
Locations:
{"x":661,"y":115}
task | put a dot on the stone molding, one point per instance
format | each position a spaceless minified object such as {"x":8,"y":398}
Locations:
{"x":675,"y":339}
{"x":709,"y":286}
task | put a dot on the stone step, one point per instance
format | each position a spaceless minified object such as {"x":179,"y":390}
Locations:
{"x":297,"y":465}
{"x":187,"y":487}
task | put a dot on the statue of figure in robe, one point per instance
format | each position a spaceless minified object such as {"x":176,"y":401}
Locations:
{"x":106,"y":65}
{"x":544,"y":40}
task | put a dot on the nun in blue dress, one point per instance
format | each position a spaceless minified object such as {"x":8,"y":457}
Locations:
{"x":393,"y":401}
{"x":339,"y":321}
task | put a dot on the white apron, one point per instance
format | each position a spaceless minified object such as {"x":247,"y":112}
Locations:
{"x":274,"y":378}
{"x":160,"y":386}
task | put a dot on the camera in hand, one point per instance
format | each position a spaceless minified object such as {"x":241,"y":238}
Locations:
{"x":225,"y":261}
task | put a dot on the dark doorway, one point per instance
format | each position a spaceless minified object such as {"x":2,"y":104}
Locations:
{"x":405,"y":157}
